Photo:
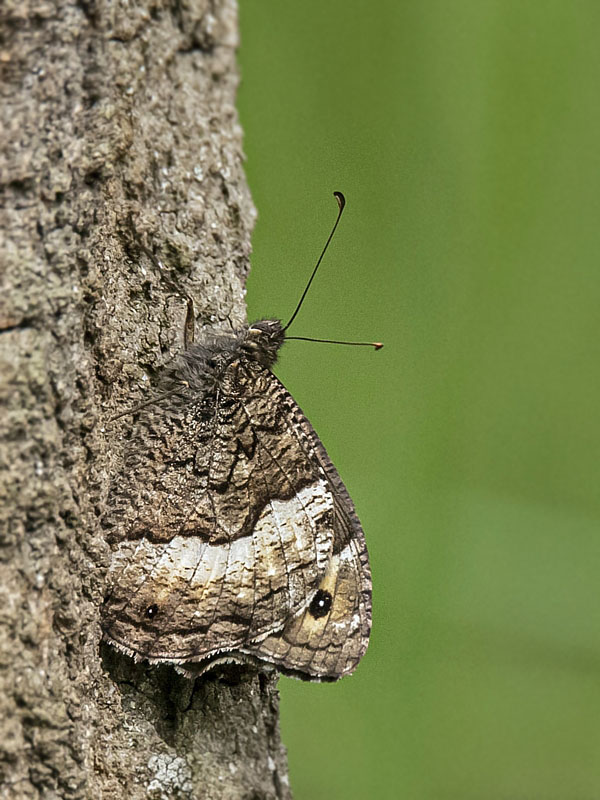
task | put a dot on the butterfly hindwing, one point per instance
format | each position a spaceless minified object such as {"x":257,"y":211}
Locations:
{"x":233,"y":535}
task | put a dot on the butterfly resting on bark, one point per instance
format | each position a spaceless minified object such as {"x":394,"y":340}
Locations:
{"x":236,"y":539}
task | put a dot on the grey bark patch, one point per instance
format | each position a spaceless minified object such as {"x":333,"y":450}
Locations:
{"x":118,"y":124}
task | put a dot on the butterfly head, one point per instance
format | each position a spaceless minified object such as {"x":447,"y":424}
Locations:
{"x":263,"y":340}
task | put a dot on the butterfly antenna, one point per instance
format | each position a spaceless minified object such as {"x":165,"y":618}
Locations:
{"x":376,"y":345}
{"x":341,"y":201}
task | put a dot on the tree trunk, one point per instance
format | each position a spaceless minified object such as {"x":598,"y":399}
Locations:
{"x":119,"y":131}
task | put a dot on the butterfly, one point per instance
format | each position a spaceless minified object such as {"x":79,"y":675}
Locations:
{"x":235,"y":538}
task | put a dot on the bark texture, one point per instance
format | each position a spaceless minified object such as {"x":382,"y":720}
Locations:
{"x":118,"y":128}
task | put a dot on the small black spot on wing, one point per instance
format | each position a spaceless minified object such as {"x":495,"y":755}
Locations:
{"x":320,"y":604}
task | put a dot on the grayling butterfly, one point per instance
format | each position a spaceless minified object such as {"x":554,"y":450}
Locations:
{"x":235,"y":538}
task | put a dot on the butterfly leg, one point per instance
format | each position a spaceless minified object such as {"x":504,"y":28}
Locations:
{"x":189,"y":324}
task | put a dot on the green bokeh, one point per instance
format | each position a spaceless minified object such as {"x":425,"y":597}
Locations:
{"x":466,"y":137}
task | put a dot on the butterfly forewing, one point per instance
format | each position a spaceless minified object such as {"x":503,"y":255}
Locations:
{"x":328,"y":638}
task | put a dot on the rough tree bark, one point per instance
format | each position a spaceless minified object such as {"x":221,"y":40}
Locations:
{"x":118,"y":129}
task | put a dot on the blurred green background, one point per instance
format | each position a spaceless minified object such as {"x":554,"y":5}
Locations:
{"x":466,"y":137}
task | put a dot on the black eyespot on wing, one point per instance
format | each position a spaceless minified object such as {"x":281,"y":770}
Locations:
{"x":151,"y":611}
{"x":320,"y":604}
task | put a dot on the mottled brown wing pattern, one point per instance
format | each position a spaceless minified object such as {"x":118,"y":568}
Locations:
{"x":327,"y":639}
{"x":233,"y":533}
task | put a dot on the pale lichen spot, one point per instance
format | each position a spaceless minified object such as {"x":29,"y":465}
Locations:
{"x":172,"y":776}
